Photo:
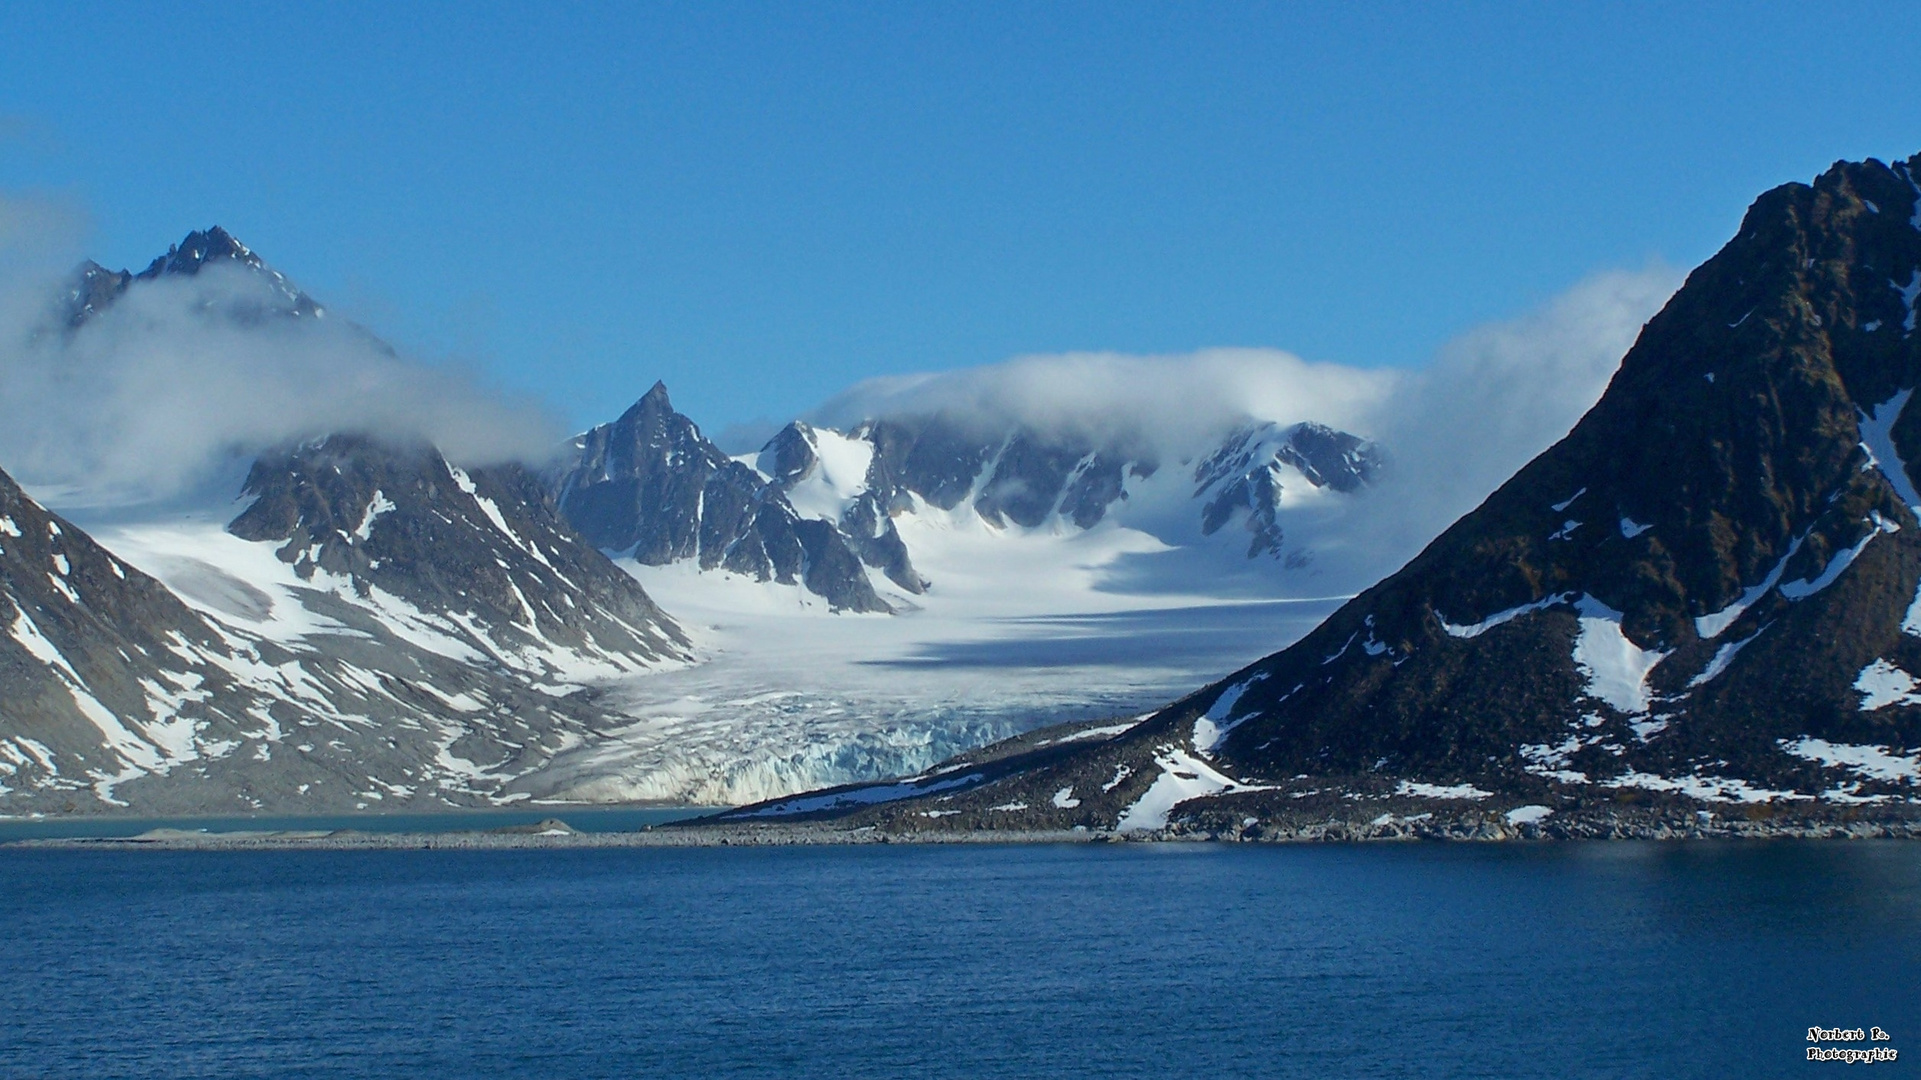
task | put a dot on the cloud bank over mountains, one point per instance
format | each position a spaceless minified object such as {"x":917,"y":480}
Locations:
{"x":1499,"y":394}
{"x":1492,"y":399}
{"x":1171,"y":400}
{"x":184,"y":379}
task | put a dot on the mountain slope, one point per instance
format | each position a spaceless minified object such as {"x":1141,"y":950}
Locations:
{"x":105,"y":675}
{"x":1706,"y":594}
{"x":377,"y":626}
{"x":480,"y":553}
{"x":820,"y":507}
{"x":1684,"y":593}
{"x":650,"y":486}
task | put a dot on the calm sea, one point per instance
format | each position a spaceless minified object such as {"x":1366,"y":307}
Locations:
{"x":1564,"y":960}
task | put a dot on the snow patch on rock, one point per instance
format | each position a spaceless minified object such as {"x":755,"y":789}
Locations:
{"x":1473,"y":630}
{"x":1876,"y":424}
{"x":1882,"y":684}
{"x":1710,"y":627}
{"x":1616,"y":668}
{"x":1183,"y":777}
{"x":1869,"y":762}
{"x":1418,"y":790}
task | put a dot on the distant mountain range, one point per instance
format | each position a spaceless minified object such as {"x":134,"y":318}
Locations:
{"x":821,"y":508}
{"x":373,"y":625}
{"x":1704,"y":599}
{"x":377,"y":626}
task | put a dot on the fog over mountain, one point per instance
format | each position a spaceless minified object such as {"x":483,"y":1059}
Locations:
{"x":154,"y":396}
{"x":206,"y":365}
{"x":1493,"y":398}
{"x":920,"y":565}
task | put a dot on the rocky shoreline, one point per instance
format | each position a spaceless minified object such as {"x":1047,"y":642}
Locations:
{"x":1459,"y":828}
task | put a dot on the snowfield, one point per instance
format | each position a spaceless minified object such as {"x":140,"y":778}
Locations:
{"x":1018,"y":632}
{"x":1023,"y":628}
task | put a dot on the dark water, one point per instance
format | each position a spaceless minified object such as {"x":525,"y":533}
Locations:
{"x":1572,"y":960}
{"x":581,"y":818}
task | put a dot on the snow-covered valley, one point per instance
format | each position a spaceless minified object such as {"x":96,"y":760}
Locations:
{"x":1022,"y":628}
{"x":916,"y":568}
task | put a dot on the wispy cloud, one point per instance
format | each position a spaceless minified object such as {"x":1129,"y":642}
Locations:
{"x":1501,"y":393}
{"x":1171,"y":400}
{"x":177,"y":381}
{"x":1453,"y":431}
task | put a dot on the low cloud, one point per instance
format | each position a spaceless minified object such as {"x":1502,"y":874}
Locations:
{"x":1501,"y":393}
{"x":183,"y":377}
{"x":1453,"y":431}
{"x":1176,"y":402}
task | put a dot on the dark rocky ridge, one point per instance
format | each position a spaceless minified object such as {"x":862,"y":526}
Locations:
{"x":95,"y":287}
{"x":652,"y":486}
{"x":437,"y":658}
{"x":1703,"y":598}
{"x":486,"y":545}
{"x":1019,"y":475}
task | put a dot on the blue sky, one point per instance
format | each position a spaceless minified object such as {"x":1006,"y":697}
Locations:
{"x":764,"y":203}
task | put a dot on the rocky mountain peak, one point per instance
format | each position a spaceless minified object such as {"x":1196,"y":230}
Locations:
{"x":651,"y":457}
{"x":1249,"y":476}
{"x":200,"y":248}
{"x":790,"y":455}
{"x":95,"y":288}
{"x":652,"y":487}
{"x":91,"y":290}
{"x":482,"y":549}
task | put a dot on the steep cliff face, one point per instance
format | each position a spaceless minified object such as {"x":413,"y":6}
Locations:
{"x":1706,"y":594}
{"x":482,"y":550}
{"x":1704,"y":588}
{"x":651,"y":486}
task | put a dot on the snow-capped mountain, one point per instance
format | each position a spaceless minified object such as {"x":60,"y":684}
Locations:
{"x":1708,"y":595}
{"x":1252,"y":476}
{"x":461,"y":638}
{"x":480,"y":555}
{"x":651,"y":487}
{"x":371,"y":625}
{"x":837,"y":512}
{"x":246,"y":685}
{"x":95,"y":287}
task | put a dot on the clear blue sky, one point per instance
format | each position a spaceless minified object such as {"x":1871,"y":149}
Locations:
{"x":763,"y":203}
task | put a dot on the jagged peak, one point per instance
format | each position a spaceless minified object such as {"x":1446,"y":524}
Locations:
{"x":653,"y":404}
{"x":790,"y":455}
{"x":96,"y":287}
{"x":199,"y":248}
